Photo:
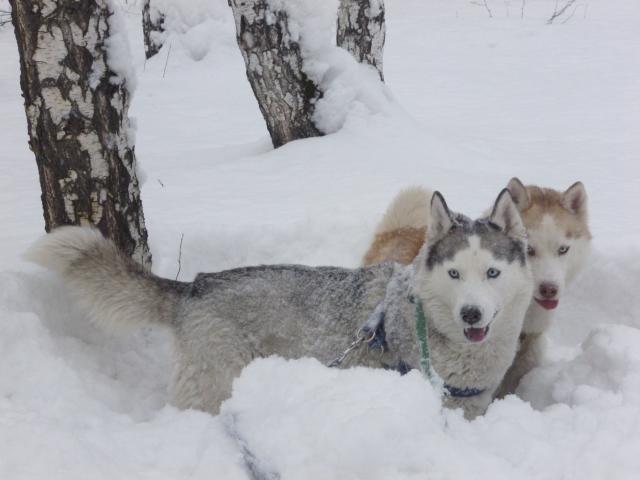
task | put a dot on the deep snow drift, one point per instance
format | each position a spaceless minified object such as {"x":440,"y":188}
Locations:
{"x":470,"y":101}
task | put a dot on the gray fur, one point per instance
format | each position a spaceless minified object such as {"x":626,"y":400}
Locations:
{"x":446,"y":247}
{"x":491,"y":236}
{"x":222,"y":321}
{"x":503,"y":247}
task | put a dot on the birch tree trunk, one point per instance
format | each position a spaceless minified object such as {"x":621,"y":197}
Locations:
{"x":76,"y":108}
{"x":273,"y":60}
{"x":152,"y":25}
{"x":361,"y":30}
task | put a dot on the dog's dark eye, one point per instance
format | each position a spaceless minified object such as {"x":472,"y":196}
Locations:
{"x":493,"y":273}
{"x":563,"y":249}
{"x":453,"y":273}
{"x":531,"y":251}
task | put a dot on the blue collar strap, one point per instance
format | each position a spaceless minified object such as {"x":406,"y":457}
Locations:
{"x":465,"y":392}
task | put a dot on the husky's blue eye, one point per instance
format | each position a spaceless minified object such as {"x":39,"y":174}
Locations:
{"x":453,"y":273}
{"x":563,"y":249}
{"x":493,"y":273}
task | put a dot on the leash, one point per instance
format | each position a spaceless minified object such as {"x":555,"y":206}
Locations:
{"x":425,"y":361}
{"x":371,"y":332}
{"x":421,"y":332}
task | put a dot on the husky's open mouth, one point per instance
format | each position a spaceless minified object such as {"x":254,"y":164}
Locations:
{"x":547,"y":304}
{"x":476,"y":334}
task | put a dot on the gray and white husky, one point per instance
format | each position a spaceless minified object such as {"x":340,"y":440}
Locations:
{"x":472,"y":278}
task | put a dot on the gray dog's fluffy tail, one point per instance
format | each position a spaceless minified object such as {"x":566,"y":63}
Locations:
{"x":114,"y":289}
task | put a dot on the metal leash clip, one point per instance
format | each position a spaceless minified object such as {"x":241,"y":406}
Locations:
{"x":366,"y":333}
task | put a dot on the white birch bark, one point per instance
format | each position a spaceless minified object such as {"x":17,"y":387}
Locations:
{"x":361,"y":30}
{"x":273,"y":60}
{"x":76,"y":106}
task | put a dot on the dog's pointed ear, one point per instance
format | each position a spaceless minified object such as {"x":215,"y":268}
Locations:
{"x":519,"y":194}
{"x":574,"y":199}
{"x":441,"y":221}
{"x":505,"y":215}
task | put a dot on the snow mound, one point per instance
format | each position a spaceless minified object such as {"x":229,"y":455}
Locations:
{"x":605,"y":374}
{"x":75,"y":400}
{"x":588,"y":304}
{"x":306,"y":421}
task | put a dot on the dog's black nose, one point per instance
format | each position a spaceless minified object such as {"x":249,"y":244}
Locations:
{"x":470,"y":314}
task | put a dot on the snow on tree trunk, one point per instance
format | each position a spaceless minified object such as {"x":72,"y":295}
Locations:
{"x":152,"y":25}
{"x":76,"y":106}
{"x":273,"y":59}
{"x":361,"y":30}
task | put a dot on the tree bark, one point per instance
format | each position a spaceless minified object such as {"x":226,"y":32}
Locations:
{"x":152,"y":25}
{"x":76,"y":108}
{"x":361,"y":30}
{"x":285,"y":94}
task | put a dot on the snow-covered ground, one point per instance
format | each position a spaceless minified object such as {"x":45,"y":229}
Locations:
{"x":475,"y":100}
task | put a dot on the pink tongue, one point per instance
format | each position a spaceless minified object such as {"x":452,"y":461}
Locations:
{"x":548,"y":304}
{"x":475,"y":334}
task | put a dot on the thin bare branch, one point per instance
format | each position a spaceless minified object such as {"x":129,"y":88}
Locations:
{"x":5,"y":17}
{"x":558,"y":13}
{"x":164,"y":72}
{"x":180,"y":256}
{"x":486,"y":5}
{"x":570,"y":16}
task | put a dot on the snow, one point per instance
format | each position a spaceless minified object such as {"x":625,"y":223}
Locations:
{"x":119,"y":57}
{"x":475,"y":100}
{"x":404,"y":436}
{"x":196,"y":26}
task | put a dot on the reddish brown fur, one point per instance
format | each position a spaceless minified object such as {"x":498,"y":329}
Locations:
{"x":546,"y":201}
{"x":401,"y":245}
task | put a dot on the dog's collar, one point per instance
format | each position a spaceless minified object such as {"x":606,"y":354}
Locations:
{"x":465,"y":392}
{"x":403,"y":368}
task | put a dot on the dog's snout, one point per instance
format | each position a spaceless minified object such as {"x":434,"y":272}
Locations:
{"x":548,"y":290}
{"x":471,"y":314}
